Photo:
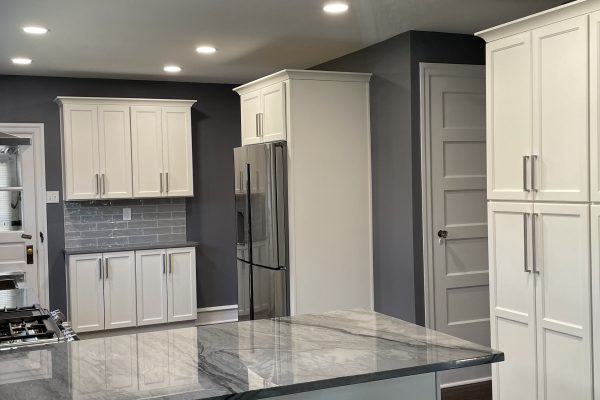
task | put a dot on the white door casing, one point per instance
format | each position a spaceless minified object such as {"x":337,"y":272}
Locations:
{"x":560,"y":111}
{"x":512,"y":300}
{"x":119,"y":290}
{"x":86,"y":292}
{"x":177,"y":151}
{"x":454,"y":126}
{"x":563,"y":301}
{"x":114,"y":139}
{"x":147,"y":151}
{"x":151,"y":286}
{"x":509,"y":127}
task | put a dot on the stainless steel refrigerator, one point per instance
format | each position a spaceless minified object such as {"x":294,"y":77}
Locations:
{"x":262,"y":232}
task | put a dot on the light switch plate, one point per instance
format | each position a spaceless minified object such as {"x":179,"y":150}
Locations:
{"x":127,"y":214}
{"x":52,"y":196}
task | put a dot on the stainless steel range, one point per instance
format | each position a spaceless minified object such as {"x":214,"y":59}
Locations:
{"x":28,"y":324}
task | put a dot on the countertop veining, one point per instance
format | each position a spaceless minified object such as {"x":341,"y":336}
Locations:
{"x":133,"y":247}
{"x":254,"y":359}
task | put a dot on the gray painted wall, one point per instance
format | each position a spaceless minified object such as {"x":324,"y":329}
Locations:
{"x":395,"y":140}
{"x":215,"y":132}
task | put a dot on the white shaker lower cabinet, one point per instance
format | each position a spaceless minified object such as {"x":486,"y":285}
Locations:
{"x":166,"y":285}
{"x":540,"y":295}
{"x":119,"y":290}
{"x":151,"y":278}
{"x":595,"y":236}
{"x":86,"y":292}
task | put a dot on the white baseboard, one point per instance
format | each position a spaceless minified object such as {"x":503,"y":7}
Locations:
{"x":217,"y":315}
{"x":467,"y":382}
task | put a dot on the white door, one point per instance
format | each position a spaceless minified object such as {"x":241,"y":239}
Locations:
{"x":273,"y":121}
{"x":509,"y":121}
{"x":22,"y":210}
{"x":595,"y":107}
{"x":183,"y":356}
{"x":455,"y":126}
{"x":147,"y":151}
{"x":151,"y":286}
{"x":512,"y":298}
{"x":177,"y":151}
{"x":81,"y":158}
{"x":114,"y":151}
{"x":119,"y":290}
{"x":595,"y":275}
{"x":153,"y":360}
{"x":560,"y":111}
{"x":181,"y":284}
{"x":121,"y":363}
{"x":563,"y":314}
{"x":86,"y":292}
{"x":250,"y":109}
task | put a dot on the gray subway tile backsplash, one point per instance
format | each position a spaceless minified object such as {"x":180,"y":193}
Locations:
{"x":100,"y":223}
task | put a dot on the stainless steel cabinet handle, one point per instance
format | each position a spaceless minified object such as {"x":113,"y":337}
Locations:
{"x":257,"y":125}
{"x":260,"y":123}
{"x":103,"y":184}
{"x":525,"y":243}
{"x":161,"y":182}
{"x":525,"y":160}
{"x":167,"y":181}
{"x":534,"y":218}
{"x":163,"y":264}
{"x":100,"y":269}
{"x":533,"y":162}
{"x":170,"y":263}
{"x":107,"y":266}
{"x":97,"y":185}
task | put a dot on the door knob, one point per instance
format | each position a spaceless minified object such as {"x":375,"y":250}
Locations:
{"x":442,"y":234}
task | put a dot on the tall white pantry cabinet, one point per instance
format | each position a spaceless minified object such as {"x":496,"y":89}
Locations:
{"x":543,"y":190}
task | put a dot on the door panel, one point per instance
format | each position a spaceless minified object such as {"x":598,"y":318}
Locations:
{"x":80,"y":148}
{"x":273,"y":118}
{"x":509,"y":122}
{"x":119,"y":290}
{"x":595,"y":274}
{"x":594,"y":106}
{"x":560,"y":111}
{"x":86,"y":292}
{"x":455,"y":118}
{"x":250,"y":108}
{"x":177,"y":151}
{"x":151,"y":286}
{"x":147,"y":151}
{"x":512,"y":299}
{"x":181,"y":284}
{"x":115,"y":151}
{"x":563,"y":300}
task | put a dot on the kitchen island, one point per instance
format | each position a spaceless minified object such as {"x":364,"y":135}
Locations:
{"x":338,"y":355}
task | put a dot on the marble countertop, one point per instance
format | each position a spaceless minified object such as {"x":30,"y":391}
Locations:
{"x":148,"y":246}
{"x":254,"y":359}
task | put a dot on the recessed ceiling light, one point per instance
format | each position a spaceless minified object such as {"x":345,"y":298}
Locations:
{"x":206,"y":49}
{"x":335,"y":8}
{"x":35,"y":30}
{"x":172,"y":68}
{"x":21,"y":61}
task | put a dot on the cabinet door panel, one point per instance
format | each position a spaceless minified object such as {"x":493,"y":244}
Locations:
{"x":177,"y":151}
{"x":151,"y":287}
{"x":595,"y":275}
{"x":509,"y":121}
{"x":182,"y":284}
{"x":273,"y":113}
{"x":512,"y":298}
{"x":560,"y":111}
{"x":86,"y":292}
{"x":115,"y":151}
{"x":80,"y":152}
{"x":147,"y":151}
{"x":595,"y":107}
{"x":250,"y":107}
{"x":563,"y":313}
{"x":119,"y":290}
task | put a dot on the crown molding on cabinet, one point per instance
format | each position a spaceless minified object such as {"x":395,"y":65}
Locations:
{"x":62,"y":100}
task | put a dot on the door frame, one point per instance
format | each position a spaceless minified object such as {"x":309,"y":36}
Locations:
{"x":37,"y":129}
{"x":426,"y":71}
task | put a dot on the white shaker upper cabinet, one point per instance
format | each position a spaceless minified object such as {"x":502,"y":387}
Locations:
{"x":595,"y":106}
{"x":147,"y":151}
{"x":114,"y":151}
{"x":272,"y":119}
{"x":512,"y":298}
{"x":250,"y":108}
{"x":177,"y":151}
{"x":81,"y":165}
{"x":560,"y":111}
{"x":509,"y":121}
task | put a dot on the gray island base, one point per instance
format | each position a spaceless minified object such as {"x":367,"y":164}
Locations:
{"x":346,"y":355}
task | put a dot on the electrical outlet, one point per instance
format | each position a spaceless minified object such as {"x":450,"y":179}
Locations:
{"x":52,"y":196}
{"x":127,"y":214}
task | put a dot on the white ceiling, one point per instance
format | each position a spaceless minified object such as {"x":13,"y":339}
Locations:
{"x":136,"y":38}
